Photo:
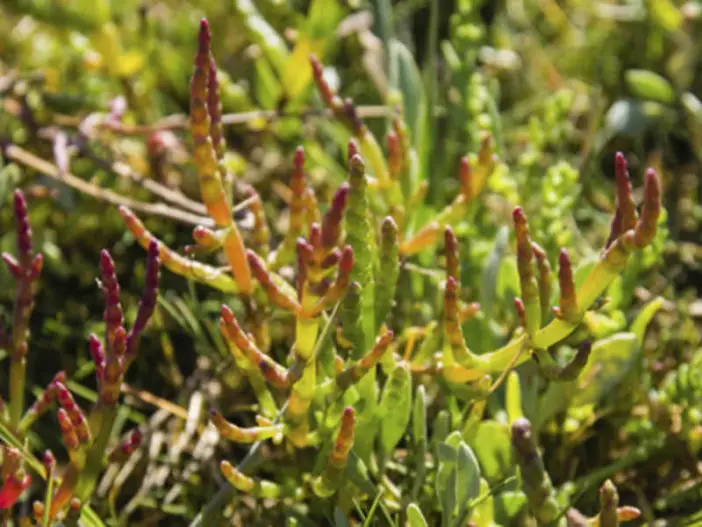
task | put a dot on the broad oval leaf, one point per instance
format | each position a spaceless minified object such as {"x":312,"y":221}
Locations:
{"x":610,"y":360}
{"x":493,"y":449}
{"x":650,"y":86}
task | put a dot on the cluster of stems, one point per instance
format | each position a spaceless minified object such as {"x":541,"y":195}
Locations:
{"x":85,"y":435}
{"x":346,"y":264}
{"x":542,"y":330}
{"x":327,"y":268}
{"x":25,"y":269}
{"x":396,"y":179}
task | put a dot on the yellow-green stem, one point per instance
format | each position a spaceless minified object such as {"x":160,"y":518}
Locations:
{"x":595,"y":284}
{"x":371,"y":150}
{"x":94,"y":459}
{"x":18,"y":367}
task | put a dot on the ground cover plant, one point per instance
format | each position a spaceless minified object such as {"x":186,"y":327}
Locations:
{"x":387,"y":263}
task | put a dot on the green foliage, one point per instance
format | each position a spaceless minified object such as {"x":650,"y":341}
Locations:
{"x":350,"y":374}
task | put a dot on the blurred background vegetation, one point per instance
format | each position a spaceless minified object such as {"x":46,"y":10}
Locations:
{"x":95,"y":95}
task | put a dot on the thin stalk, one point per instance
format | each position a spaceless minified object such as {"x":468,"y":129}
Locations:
{"x":28,"y":159}
{"x":46,"y":517}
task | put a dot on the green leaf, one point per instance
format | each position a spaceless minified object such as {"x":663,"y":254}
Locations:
{"x":484,"y":513}
{"x":645,"y":84}
{"x":446,"y":453}
{"x":507,"y":285}
{"x":315,"y":38}
{"x":446,"y":478}
{"x":415,"y":516}
{"x":419,"y":417}
{"x":351,"y":321}
{"x":643,"y":319}
{"x":440,"y":428}
{"x":10,"y":176}
{"x":610,"y":360}
{"x":366,"y":407}
{"x":448,"y":498}
{"x":425,"y":141}
{"x":430,"y":343}
{"x":374,"y":507}
{"x":513,"y":397}
{"x":454,"y":439}
{"x":263,"y":34}
{"x":493,"y":448}
{"x":267,"y":88}
{"x":665,"y":14}
{"x":89,"y":517}
{"x":405,"y":77}
{"x":615,"y":292}
{"x":583,"y":269}
{"x":632,"y":119}
{"x":468,"y":478}
{"x":488,"y":291}
{"x":419,"y":439}
{"x":508,"y":505}
{"x":360,"y":236}
{"x":693,"y":111}
{"x":48,"y":496}
{"x":358,"y":474}
{"x":395,"y":407}
{"x":340,"y":519}
{"x":384,"y":21}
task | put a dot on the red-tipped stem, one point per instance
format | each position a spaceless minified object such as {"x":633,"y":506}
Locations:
{"x":331,"y":226}
{"x":147,"y":304}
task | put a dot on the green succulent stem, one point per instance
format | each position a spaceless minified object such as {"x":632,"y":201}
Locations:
{"x":596,"y":283}
{"x":105,"y":415}
{"x":18,"y":368}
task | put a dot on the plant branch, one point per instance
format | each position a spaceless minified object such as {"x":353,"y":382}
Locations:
{"x":180,"y":121}
{"x":19,"y":155}
{"x":225,"y":493}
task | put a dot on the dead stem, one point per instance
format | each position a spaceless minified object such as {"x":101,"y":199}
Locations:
{"x":27,"y":159}
{"x":180,"y":121}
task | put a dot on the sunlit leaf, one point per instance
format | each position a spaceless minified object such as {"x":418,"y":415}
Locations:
{"x":415,"y":516}
{"x":467,"y":476}
{"x":610,"y":360}
{"x":493,"y":449}
{"x":395,"y":407}
{"x":405,"y":74}
{"x":650,"y":86}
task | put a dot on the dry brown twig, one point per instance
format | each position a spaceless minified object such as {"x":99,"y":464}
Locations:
{"x":180,"y":121}
{"x":23,"y":157}
{"x":123,"y":170}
